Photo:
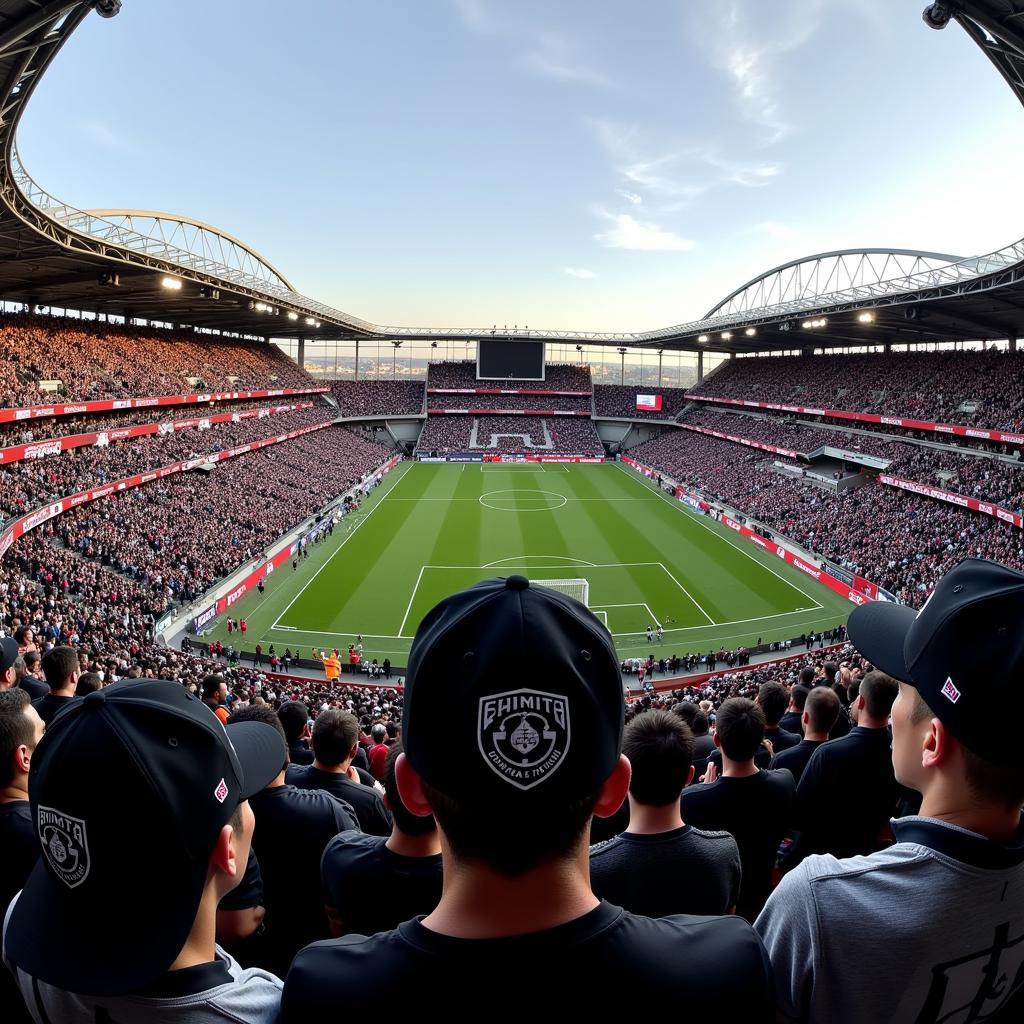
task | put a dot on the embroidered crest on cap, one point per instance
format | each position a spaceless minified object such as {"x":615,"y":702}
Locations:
{"x":221,"y":792}
{"x":949,"y":690}
{"x":65,"y":845}
{"x":523,"y":735}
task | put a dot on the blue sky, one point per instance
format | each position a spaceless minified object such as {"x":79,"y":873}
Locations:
{"x":588,"y":164}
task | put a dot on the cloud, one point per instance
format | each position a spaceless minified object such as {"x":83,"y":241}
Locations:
{"x":579,"y":272}
{"x":627,"y":232}
{"x":630,"y":197}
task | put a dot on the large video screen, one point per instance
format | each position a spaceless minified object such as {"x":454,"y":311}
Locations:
{"x":500,"y":360}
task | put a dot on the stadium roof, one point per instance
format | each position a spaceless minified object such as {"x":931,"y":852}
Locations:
{"x":123,"y":261}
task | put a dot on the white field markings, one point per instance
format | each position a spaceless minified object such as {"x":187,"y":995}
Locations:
{"x":694,"y":517}
{"x":518,"y":560}
{"x":412,"y":597}
{"x":513,"y":490}
{"x":603,"y":616}
{"x":351,"y":534}
{"x":633,"y":604}
{"x":700,"y":608}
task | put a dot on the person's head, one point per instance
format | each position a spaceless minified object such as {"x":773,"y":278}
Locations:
{"x":659,"y":745}
{"x":403,"y":819}
{"x":8,"y":659}
{"x":335,"y":737}
{"x":686,"y":710}
{"x":875,"y":699}
{"x":773,"y":700}
{"x":294,"y":716}
{"x":821,"y":710}
{"x":512,"y":772}
{"x":21,"y":729}
{"x":215,"y":690}
{"x":700,"y":724}
{"x":176,"y":779}
{"x":87,"y":682}
{"x":391,"y":729}
{"x":959,"y":661}
{"x":32,"y":660}
{"x":830,"y":668}
{"x":739,"y":729}
{"x":378,"y":732}
{"x":61,"y":669}
{"x":798,"y":696}
{"x":807,"y":674}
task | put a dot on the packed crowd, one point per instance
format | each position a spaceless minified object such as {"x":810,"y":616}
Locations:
{"x":442,"y":434}
{"x":462,"y":374}
{"x":620,"y":400}
{"x":94,"y":360}
{"x":496,"y":435}
{"x":31,"y":483}
{"x":919,"y":385}
{"x":378,"y":397}
{"x":561,"y":403}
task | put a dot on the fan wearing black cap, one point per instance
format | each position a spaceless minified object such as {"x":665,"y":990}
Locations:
{"x":139,"y":804}
{"x":944,"y":905}
{"x":523,"y":685}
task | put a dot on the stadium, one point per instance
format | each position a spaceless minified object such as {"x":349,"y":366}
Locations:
{"x":212,"y":482}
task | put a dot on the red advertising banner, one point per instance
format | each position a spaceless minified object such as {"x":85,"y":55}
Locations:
{"x":743,"y":440}
{"x":53,"y":446}
{"x":985,"y":507}
{"x":117,"y":404}
{"x":503,"y":412}
{"x":41,"y":515}
{"x":502,"y":391}
{"x":870,"y":417}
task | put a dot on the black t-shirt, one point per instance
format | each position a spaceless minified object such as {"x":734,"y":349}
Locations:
{"x":684,"y":871}
{"x":19,"y":850}
{"x":757,"y":810}
{"x":299,"y":753}
{"x":792,"y":721}
{"x":703,"y":748}
{"x":374,"y":889}
{"x":780,"y":739}
{"x":293,"y":826}
{"x":249,"y":891}
{"x":795,"y":758}
{"x":50,"y":704}
{"x":35,"y":688}
{"x":374,"y":818}
{"x":847,"y":794}
{"x":714,"y":967}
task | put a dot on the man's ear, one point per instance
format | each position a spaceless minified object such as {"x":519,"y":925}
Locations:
{"x":718,"y":742}
{"x":410,"y":787}
{"x":223,"y":857}
{"x":616,"y":786}
{"x":938,"y":745}
{"x":805,"y":720}
{"x":689,"y":777}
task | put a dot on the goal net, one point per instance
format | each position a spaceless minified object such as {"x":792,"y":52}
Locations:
{"x":577,"y":589}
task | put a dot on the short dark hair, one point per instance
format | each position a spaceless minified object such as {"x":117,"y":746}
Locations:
{"x":798,"y":695}
{"x":391,"y":728}
{"x":807,"y":674}
{"x":405,"y":821}
{"x":822,"y":708}
{"x":774,"y":700}
{"x":699,"y":726}
{"x":294,"y":716}
{"x":212,"y":685}
{"x":261,"y":713}
{"x":739,"y":726}
{"x":987,"y":781}
{"x":659,"y":745}
{"x":335,"y":733}
{"x":686,"y":710}
{"x":32,"y":658}
{"x":879,"y":692}
{"x":15,"y":730}
{"x":830,"y":668}
{"x":87,"y":682}
{"x":59,"y":665}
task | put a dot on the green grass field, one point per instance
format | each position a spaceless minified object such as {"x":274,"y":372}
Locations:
{"x":431,"y":529}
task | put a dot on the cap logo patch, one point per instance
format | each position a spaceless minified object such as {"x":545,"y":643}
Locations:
{"x":221,"y":792}
{"x":949,"y":690}
{"x":523,"y":735}
{"x":65,"y":845}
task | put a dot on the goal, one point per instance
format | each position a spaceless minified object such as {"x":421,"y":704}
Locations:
{"x":578,"y":589}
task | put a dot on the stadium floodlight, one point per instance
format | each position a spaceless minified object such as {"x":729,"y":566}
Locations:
{"x":750,"y":332}
{"x":108,"y":8}
{"x":812,"y":324}
{"x":171,"y":283}
{"x":866,"y":318}
{"x":937,"y":15}
{"x":726,"y":335}
{"x":292,"y":315}
{"x":702,"y":338}
{"x":310,"y":321}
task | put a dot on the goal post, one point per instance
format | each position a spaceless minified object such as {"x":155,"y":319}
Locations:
{"x":579,"y":589}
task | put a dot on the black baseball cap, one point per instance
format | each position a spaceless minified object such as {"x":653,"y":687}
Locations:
{"x":513,"y":697}
{"x":129,"y":790}
{"x":8,"y":653}
{"x":963,"y":652}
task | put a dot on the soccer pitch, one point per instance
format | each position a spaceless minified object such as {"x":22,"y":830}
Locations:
{"x":431,"y":529}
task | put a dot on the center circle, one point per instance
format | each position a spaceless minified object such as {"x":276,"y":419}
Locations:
{"x":522,"y":500}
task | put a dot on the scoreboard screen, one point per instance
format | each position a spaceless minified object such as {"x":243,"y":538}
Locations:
{"x":501,"y":360}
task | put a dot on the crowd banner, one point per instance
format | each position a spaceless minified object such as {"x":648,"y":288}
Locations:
{"x":99,"y":439}
{"x":743,"y":440}
{"x":36,"y":518}
{"x":985,"y":507}
{"x":504,"y":391}
{"x":956,"y":430}
{"x":120,"y":404}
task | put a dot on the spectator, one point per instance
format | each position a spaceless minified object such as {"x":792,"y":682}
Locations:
{"x":946,"y":901}
{"x":30,"y":681}
{"x":88,"y":682}
{"x":294,"y":717}
{"x":755,"y":805}
{"x":378,"y":751}
{"x":792,"y":720}
{"x":821,"y":707}
{"x":8,"y":659}
{"x":773,"y":700}
{"x":375,"y":884}
{"x":215,"y":696}
{"x":515,"y":834}
{"x":643,"y":869}
{"x":99,"y":964}
{"x":62,"y":669}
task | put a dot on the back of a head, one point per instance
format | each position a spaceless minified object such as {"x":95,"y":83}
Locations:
{"x":378,"y":732}
{"x":807,"y":674}
{"x":16,"y":730}
{"x":739,"y":726}
{"x":59,"y":665}
{"x":659,"y":745}
{"x":774,"y":700}
{"x":686,"y":710}
{"x":392,"y":730}
{"x":404,"y":820}
{"x":830,"y":668}
{"x":879,"y":692}
{"x":822,"y":709}
{"x":335,"y":733}
{"x":700,"y":724}
{"x":87,"y":683}
{"x":293,"y":715}
{"x":798,"y":695}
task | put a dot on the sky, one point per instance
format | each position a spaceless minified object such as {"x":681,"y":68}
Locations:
{"x":589,"y":165}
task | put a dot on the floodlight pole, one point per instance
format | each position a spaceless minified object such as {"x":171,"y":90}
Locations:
{"x":394,"y":360}
{"x":660,"y":352}
{"x":622,"y":370}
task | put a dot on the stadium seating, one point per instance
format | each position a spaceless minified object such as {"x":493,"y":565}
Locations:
{"x":620,"y":400}
{"x":546,"y":403}
{"x":378,"y":397}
